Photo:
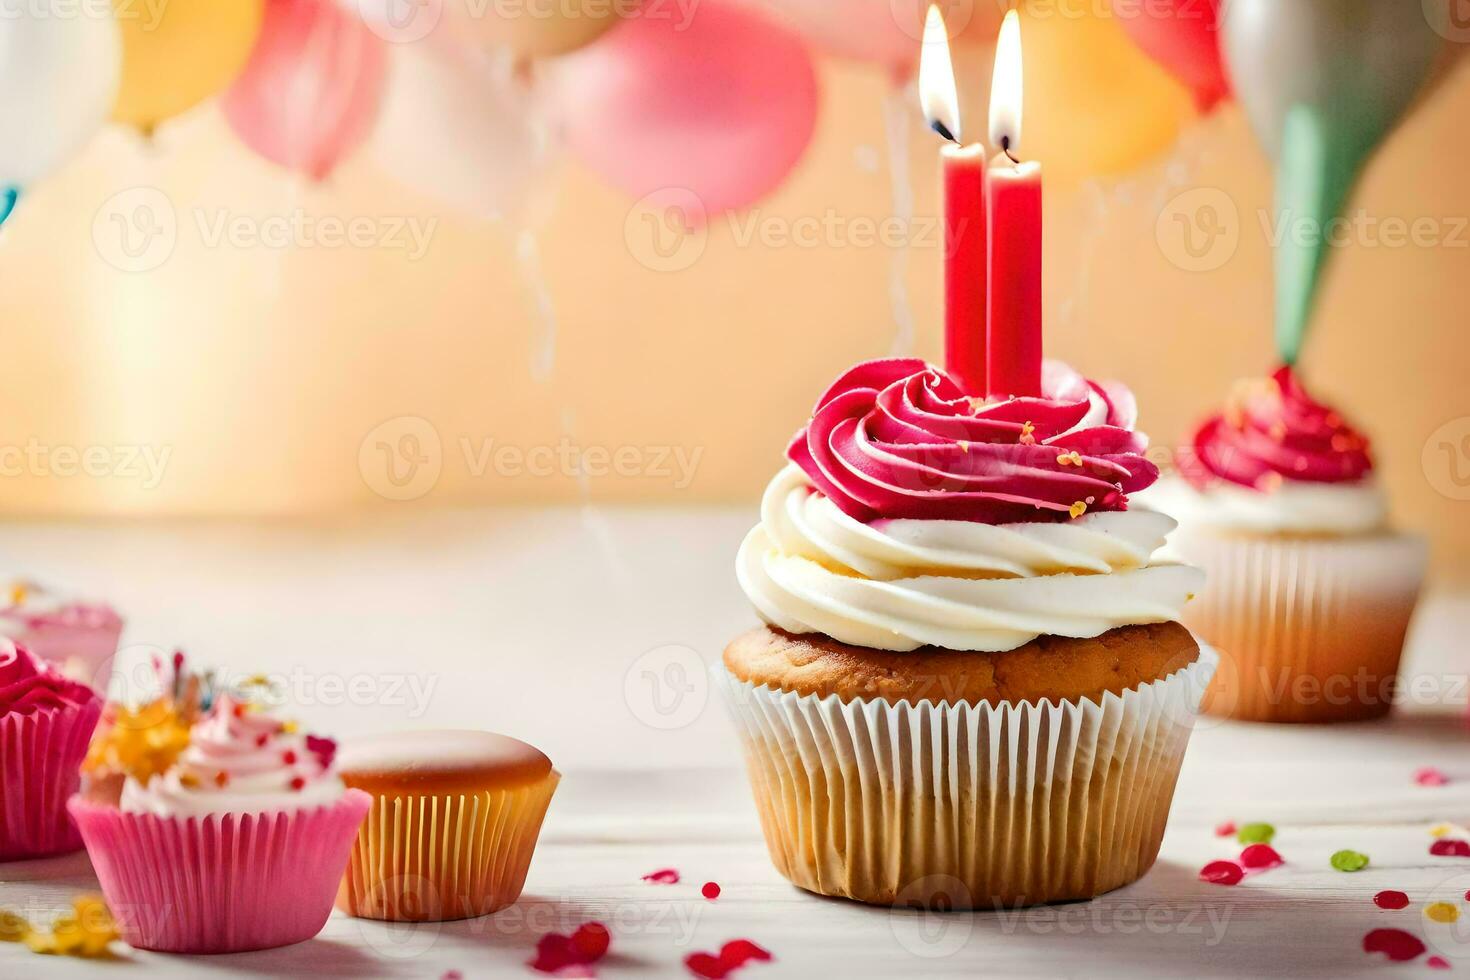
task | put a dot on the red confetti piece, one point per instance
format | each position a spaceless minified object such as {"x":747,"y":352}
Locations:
{"x":1226,"y":829}
{"x":261,"y":739}
{"x":710,"y":890}
{"x":663,"y":876}
{"x":1396,"y":944}
{"x":1450,"y":847}
{"x":297,"y":783}
{"x":323,"y":748}
{"x":592,"y":940}
{"x":1221,"y":873}
{"x":222,"y":779}
{"x":1391,"y":899}
{"x":570,"y":956}
{"x":1260,"y":857}
{"x":1430,"y":776}
{"x":732,"y":956}
{"x":1437,"y":963}
{"x":288,"y":757}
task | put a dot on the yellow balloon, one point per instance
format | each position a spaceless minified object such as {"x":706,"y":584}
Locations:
{"x":1094,"y":104}
{"x":536,"y":28}
{"x":179,"y":53}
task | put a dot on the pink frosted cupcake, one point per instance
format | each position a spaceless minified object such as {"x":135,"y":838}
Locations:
{"x":79,"y":637}
{"x":1311,"y":590}
{"x":46,"y":721}
{"x":238,"y":846}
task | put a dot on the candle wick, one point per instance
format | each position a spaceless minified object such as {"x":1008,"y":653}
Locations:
{"x":1005,"y":147}
{"x":943,"y":130}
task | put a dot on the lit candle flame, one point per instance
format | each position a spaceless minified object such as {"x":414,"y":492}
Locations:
{"x":1005,"y":87}
{"x":937,"y":90}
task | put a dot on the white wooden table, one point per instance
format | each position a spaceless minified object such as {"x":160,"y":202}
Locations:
{"x":548,"y":624}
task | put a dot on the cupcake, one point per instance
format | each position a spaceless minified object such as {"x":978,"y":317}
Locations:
{"x":1311,"y":591}
{"x":972,"y":685}
{"x":237,"y":846}
{"x":454,"y":821}
{"x":46,"y":720}
{"x":78,"y":637}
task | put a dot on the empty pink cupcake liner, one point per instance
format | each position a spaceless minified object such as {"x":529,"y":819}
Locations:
{"x":39,"y":756}
{"x":224,"y":883}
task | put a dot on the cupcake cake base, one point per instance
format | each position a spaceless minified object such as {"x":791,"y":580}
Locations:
{"x":1027,"y":798}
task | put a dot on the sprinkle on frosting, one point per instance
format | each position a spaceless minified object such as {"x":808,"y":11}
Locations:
{"x":1271,"y":431}
{"x":898,"y":438}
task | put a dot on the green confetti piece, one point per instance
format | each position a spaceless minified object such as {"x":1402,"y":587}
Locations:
{"x":1255,"y":833}
{"x":1349,"y":861}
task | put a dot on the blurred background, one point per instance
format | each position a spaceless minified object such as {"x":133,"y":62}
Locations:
{"x":416,"y":255}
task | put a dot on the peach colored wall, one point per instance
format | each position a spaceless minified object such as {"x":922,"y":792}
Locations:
{"x":261,"y":371}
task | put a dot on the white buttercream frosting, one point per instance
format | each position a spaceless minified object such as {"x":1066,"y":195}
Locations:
{"x":960,"y":585}
{"x":1292,"y":507}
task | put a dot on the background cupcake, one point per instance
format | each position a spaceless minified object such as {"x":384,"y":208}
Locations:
{"x":453,"y":825}
{"x":45,"y":722}
{"x":79,"y":637}
{"x":1310,"y":592}
{"x":237,"y":846}
{"x":971,"y":684}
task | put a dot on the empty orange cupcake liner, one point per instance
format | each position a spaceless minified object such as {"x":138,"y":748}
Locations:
{"x":440,"y":857}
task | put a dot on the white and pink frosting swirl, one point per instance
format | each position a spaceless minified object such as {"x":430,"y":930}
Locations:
{"x":914,"y":516}
{"x":28,"y":684}
{"x":240,"y":759}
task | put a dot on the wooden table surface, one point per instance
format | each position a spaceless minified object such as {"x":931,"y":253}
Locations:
{"x":669,"y":794}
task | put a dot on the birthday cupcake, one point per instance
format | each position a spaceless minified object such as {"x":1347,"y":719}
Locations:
{"x":79,"y":637}
{"x":46,"y":720}
{"x":236,"y":846}
{"x":1311,"y":591}
{"x":971,"y":684}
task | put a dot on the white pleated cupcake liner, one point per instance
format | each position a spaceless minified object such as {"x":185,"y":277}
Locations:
{"x":1310,"y":629}
{"x":962,"y":805}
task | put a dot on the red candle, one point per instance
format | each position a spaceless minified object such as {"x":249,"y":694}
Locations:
{"x":965,"y":231}
{"x":965,"y":270}
{"x":1013,"y":212}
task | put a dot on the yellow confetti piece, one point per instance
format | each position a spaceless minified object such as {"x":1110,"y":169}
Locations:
{"x":13,"y":929}
{"x":1440,"y":829}
{"x":1078,"y":509}
{"x":18,"y":593}
{"x":1441,"y":912}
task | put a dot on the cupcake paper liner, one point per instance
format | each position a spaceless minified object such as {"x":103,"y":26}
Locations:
{"x":223,"y":883}
{"x":39,"y":756}
{"x":1308,"y":629}
{"x":434,"y":858}
{"x":966,"y":806}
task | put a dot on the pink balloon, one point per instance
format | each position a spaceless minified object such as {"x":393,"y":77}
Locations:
{"x":1184,"y":37}
{"x":310,"y":92}
{"x":722,"y":105}
{"x":885,"y":32}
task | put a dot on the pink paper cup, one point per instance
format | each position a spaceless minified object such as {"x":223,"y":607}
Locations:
{"x":224,"y":883}
{"x":40,"y":753}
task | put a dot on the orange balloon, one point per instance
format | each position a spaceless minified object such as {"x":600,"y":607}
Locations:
{"x":1094,"y":104}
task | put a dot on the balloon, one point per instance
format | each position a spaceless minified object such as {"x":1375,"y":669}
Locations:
{"x":885,"y":32}
{"x":1322,"y":82}
{"x":722,"y":108}
{"x":540,"y":28}
{"x":178,"y":53}
{"x":1093,"y":104}
{"x":458,"y":126}
{"x":59,"y":75}
{"x":310,"y":92}
{"x":1183,"y":36}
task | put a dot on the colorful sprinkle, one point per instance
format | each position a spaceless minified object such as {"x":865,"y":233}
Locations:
{"x":1226,"y":829}
{"x":710,"y":890}
{"x":1349,"y":860}
{"x":1221,"y":873}
{"x":1440,"y":829}
{"x":85,"y":931}
{"x":297,"y":783}
{"x":1260,"y":857}
{"x":1437,"y":963}
{"x":1256,"y":833}
{"x":1078,"y":509}
{"x":1391,"y":899}
{"x":1441,"y":912}
{"x":1430,"y":776}
{"x":663,"y":876}
{"x":592,"y":940}
{"x":572,"y":955}
{"x":288,"y":757}
{"x":1450,"y":847}
{"x":1396,"y":944}
{"x":732,"y":956}
{"x":222,"y":779}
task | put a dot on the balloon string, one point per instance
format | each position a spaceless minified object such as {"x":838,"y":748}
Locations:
{"x":593,"y":521}
{"x":528,"y":260}
{"x":897,"y":120}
